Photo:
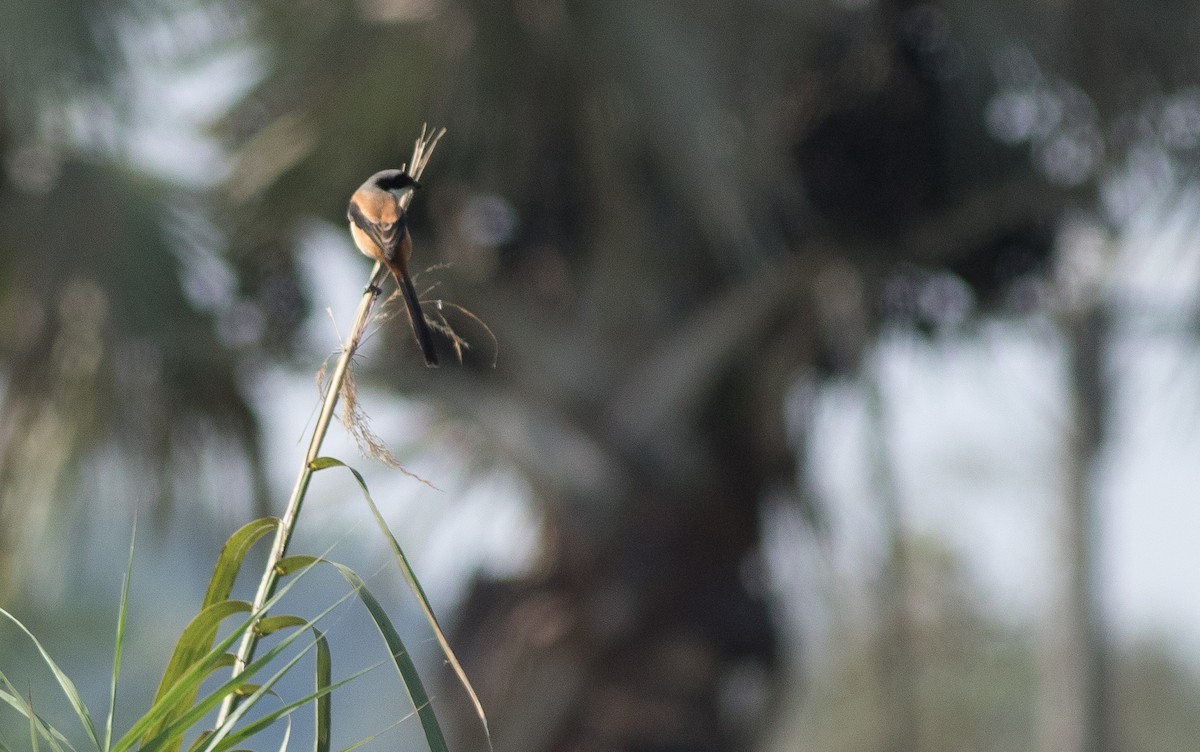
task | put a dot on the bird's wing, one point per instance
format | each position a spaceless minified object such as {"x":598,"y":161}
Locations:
{"x":386,"y":235}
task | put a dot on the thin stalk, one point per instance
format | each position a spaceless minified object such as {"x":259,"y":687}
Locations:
{"x":287,"y":524}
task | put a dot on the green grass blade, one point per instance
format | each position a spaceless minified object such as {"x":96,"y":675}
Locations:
{"x":64,"y":682}
{"x":193,"y":645}
{"x":287,"y":734}
{"x":169,"y":702}
{"x":173,"y":733}
{"x":367,"y":740}
{"x":236,"y":683}
{"x":322,"y":463}
{"x":197,"y":638}
{"x":272,"y":624}
{"x":229,"y":561}
{"x":323,"y":711}
{"x":33,"y":730}
{"x":270,"y":718}
{"x":37,"y":725}
{"x":401,"y":659}
{"x":122,"y":613}
{"x":200,"y":740}
{"x":224,"y":737}
{"x":194,"y":676}
{"x":297,"y":562}
{"x":10,"y":696}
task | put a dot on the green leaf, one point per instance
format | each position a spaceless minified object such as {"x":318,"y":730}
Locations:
{"x":229,"y":561}
{"x":272,"y":624}
{"x":270,"y":718}
{"x":191,"y":679}
{"x":237,"y":683}
{"x":296,"y":562}
{"x":324,"y":671}
{"x":197,"y":639}
{"x":64,"y":682}
{"x":33,"y":735}
{"x":200,"y":740}
{"x":399,"y":654}
{"x":224,"y":737}
{"x":51,"y":735}
{"x":407,"y":670}
{"x":401,"y":658}
{"x":323,"y":713}
{"x":322,"y":463}
{"x":287,"y":735}
{"x":174,"y":732}
{"x":122,"y":613}
{"x":194,"y":645}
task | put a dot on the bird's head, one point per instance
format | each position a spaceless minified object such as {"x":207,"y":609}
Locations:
{"x":394,"y":180}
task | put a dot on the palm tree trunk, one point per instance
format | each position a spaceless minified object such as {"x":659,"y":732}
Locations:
{"x":1075,"y":691}
{"x":898,"y":662}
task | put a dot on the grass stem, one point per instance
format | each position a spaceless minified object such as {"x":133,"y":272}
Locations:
{"x":287,"y":524}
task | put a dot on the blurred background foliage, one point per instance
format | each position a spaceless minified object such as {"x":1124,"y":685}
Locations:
{"x":688,"y":224}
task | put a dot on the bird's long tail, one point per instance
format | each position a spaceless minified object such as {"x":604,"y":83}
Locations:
{"x":420,"y":328}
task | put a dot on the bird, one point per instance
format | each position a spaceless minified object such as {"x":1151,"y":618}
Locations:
{"x":380,"y":230}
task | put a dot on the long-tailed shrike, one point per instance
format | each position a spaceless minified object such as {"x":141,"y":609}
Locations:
{"x":380,"y":230}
